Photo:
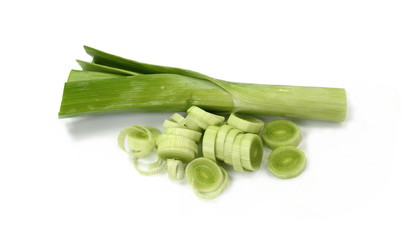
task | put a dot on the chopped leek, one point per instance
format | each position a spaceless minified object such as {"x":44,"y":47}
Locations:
{"x":177,"y":118}
{"x":195,"y":123}
{"x":184,"y":154}
{"x":206,"y":177}
{"x":175,"y":141}
{"x":184,"y":132}
{"x":138,"y":140}
{"x":209,"y":142}
{"x":251,"y":152}
{"x":220,"y":141}
{"x":236,"y":153}
{"x":171,"y":124}
{"x":218,"y":191}
{"x":281,"y":133}
{"x":151,"y":167}
{"x":245,"y":123}
{"x":175,"y":169}
{"x":209,"y":118}
{"x":228,"y":145}
{"x":286,"y":162}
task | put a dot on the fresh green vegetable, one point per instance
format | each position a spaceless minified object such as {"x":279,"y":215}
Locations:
{"x":177,"y":149}
{"x":208,"y":118}
{"x":184,"y":132}
{"x":177,"y":118}
{"x":228,"y":144}
{"x":251,"y":152}
{"x":138,"y":140}
{"x":194,"y":123}
{"x":175,"y":169}
{"x":236,"y":153}
{"x":81,"y":75}
{"x":281,"y":133}
{"x":206,"y":177}
{"x":172,"y":124}
{"x":170,"y":140}
{"x":168,"y":89}
{"x":209,"y":142}
{"x":220,"y":141}
{"x":181,"y":153}
{"x":87,"y":66}
{"x":149,"y":168}
{"x":246,"y":123}
{"x":286,"y":162}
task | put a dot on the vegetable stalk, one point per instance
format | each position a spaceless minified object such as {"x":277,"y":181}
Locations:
{"x":167,"y":89}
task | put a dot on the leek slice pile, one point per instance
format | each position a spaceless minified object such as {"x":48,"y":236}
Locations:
{"x":281,"y":133}
{"x":244,"y":151}
{"x":234,"y":143}
{"x":206,"y":177}
{"x":286,"y":162}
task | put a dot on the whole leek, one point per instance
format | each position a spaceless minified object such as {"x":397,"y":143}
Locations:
{"x":153,"y":88}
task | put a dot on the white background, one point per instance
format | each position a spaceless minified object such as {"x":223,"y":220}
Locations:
{"x":67,"y":179}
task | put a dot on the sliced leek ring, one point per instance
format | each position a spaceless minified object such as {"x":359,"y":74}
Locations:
{"x":193,"y":123}
{"x":184,"y":132}
{"x":138,"y":141}
{"x":171,"y":124}
{"x":217,"y":192}
{"x":209,"y":142}
{"x":252,"y":151}
{"x":183,"y":154}
{"x":175,"y":169}
{"x":220,"y":140}
{"x":236,"y":153}
{"x":148,"y":168}
{"x":228,"y":145}
{"x":281,"y":133}
{"x":209,"y":118}
{"x":174,"y":141}
{"x":176,"y":117}
{"x":246,"y":123}
{"x":286,"y":162}
{"x":206,"y":177}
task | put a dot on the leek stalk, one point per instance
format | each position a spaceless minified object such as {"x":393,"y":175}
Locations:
{"x":167,"y":89}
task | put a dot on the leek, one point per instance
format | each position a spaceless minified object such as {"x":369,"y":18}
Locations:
{"x":209,"y":141}
{"x":286,"y":162}
{"x":77,"y":75}
{"x":220,"y":141}
{"x":281,"y":133}
{"x":251,"y":152}
{"x":175,"y":169}
{"x":168,"y":89}
{"x":246,"y":123}
{"x":206,"y":177}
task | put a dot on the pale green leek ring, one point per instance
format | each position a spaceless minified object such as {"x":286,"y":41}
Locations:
{"x":204,"y":175}
{"x":246,"y":123}
{"x":286,"y":162}
{"x":138,"y":141}
{"x":281,"y":133}
{"x":175,"y":169}
{"x":209,"y":142}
